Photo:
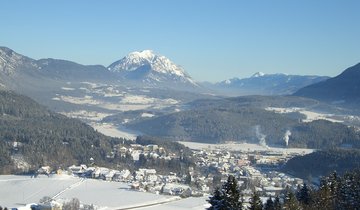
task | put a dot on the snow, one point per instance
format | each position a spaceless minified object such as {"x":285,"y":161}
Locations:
{"x":86,"y":115}
{"x":112,"y":195}
{"x":147,"y":115}
{"x":142,"y":99}
{"x":227,"y":82}
{"x":258,"y":74}
{"x":193,"y":203}
{"x":86,"y":100}
{"x":243,"y":147}
{"x":157,"y":63}
{"x":109,"y":129}
{"x":16,"y":191}
{"x":67,"y":88}
{"x":310,"y":115}
{"x":128,"y":102}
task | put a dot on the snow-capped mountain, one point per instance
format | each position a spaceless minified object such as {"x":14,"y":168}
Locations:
{"x":11,"y":62}
{"x":151,"y":68}
{"x":266,"y":84}
{"x":258,"y":74}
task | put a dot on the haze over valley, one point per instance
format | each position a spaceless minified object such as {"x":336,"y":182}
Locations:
{"x":181,"y":105}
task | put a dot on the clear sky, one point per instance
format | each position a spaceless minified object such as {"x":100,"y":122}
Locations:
{"x":212,"y":39}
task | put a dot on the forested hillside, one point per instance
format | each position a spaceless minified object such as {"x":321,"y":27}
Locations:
{"x":41,"y":137}
{"x":324,"y":162}
{"x":245,"y":119}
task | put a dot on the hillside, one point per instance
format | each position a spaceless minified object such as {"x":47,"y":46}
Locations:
{"x":321,"y":163}
{"x":342,"y":89}
{"x":245,"y":119}
{"x":36,"y":136}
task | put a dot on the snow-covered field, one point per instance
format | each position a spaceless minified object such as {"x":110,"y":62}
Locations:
{"x":244,"y":147}
{"x":86,"y":115}
{"x":115,"y":131}
{"x":16,"y":191}
{"x":310,"y":115}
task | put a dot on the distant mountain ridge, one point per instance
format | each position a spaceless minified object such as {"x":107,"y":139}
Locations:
{"x":146,"y":66}
{"x":344,"y":88}
{"x":137,"y":68}
{"x":267,"y":84}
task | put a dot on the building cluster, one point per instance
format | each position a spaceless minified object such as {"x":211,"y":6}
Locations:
{"x":254,"y":170}
{"x":135,"y":150}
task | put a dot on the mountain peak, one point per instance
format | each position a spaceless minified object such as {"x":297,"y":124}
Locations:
{"x":141,"y":56}
{"x":10,"y":60}
{"x":149,"y":66}
{"x":258,"y":74}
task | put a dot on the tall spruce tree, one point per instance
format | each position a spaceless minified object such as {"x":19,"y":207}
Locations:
{"x":269,"y":205}
{"x":228,"y":197}
{"x":304,"y":196}
{"x":277,"y":203}
{"x":291,"y":203}
{"x":255,"y":202}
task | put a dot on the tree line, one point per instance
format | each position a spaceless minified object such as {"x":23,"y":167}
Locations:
{"x":335,"y":192}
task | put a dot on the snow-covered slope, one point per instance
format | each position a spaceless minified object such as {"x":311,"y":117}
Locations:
{"x":10,"y":61}
{"x":147,"y":66}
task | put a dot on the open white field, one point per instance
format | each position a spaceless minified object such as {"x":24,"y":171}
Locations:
{"x":19,"y":190}
{"x":115,"y":131}
{"x":16,"y":191}
{"x":188,"y":203}
{"x":310,"y":115}
{"x":243,"y":147}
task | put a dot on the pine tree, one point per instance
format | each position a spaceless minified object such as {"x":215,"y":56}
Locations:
{"x":232,"y":194}
{"x":228,"y":197}
{"x":216,"y":200}
{"x":255,"y":202}
{"x":291,"y":203}
{"x":304,"y":195}
{"x":269,"y":205}
{"x":277,"y":203}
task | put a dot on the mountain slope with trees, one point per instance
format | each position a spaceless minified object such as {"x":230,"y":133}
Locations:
{"x":245,"y":119}
{"x":42,"y":137}
{"x":342,"y":89}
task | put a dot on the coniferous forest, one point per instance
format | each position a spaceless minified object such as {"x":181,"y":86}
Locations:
{"x":334,"y":193}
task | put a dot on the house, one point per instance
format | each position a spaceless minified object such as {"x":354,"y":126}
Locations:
{"x":122,"y":176}
{"x":78,"y":170}
{"x":175,"y":189}
{"x":44,"y":170}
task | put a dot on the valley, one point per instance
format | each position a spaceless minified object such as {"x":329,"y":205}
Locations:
{"x":143,"y":127}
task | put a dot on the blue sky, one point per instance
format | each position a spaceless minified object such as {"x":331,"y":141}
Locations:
{"x":212,"y":40}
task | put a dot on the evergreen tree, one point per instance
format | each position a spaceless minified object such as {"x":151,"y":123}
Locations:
{"x":232,"y":194}
{"x":255,"y":202}
{"x":304,"y":196}
{"x":269,"y":205}
{"x":277,"y":203}
{"x":323,"y":196}
{"x":216,"y":200}
{"x":291,"y":203}
{"x":228,"y":197}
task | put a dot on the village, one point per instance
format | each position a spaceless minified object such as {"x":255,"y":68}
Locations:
{"x":255,"y":170}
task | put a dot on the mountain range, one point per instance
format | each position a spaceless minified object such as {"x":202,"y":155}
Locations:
{"x":147,"y":92}
{"x":140,"y":68}
{"x":143,"y":67}
{"x":265,"y":84}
